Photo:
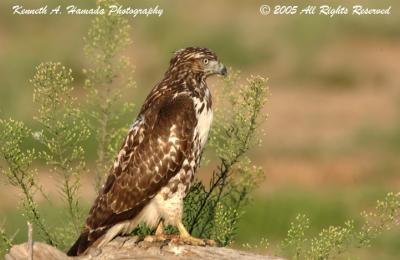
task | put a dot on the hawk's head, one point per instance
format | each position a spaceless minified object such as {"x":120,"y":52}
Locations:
{"x":199,"y":61}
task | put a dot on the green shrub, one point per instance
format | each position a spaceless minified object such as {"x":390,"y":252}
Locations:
{"x":335,"y":241}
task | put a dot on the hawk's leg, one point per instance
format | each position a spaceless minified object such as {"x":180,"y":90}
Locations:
{"x":160,"y":229}
{"x":186,"y":238}
{"x":159,"y":235}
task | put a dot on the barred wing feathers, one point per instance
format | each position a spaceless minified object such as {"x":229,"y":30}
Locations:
{"x":153,"y":152}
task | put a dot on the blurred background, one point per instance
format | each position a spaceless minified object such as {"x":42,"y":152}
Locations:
{"x":332,"y":143}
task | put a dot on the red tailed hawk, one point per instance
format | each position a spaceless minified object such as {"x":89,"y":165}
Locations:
{"x":159,"y":157}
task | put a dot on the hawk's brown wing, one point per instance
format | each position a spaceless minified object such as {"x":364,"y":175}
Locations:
{"x":151,"y":155}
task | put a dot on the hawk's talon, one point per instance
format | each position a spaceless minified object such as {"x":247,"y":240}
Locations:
{"x":165,"y":243}
{"x":156,"y":238}
{"x":211,"y":242}
{"x":189,"y":240}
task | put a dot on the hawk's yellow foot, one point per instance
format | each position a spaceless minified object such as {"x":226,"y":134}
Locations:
{"x":160,"y":229}
{"x":159,"y":235}
{"x":186,"y":238}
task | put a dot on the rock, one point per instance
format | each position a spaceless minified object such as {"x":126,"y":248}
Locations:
{"x":40,"y":251}
{"x":132,"y":248}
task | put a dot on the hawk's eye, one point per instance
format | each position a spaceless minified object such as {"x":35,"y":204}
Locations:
{"x":205,"y":61}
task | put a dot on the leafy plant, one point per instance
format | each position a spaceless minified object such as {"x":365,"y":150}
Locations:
{"x":108,"y":78}
{"x":337,"y":240}
{"x":296,"y":236}
{"x":63,"y":130}
{"x":213,"y":211}
{"x":6,"y":242}
{"x":20,"y":174}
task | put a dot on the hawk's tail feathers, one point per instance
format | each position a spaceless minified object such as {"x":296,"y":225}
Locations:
{"x":83,"y":242}
{"x":80,"y":245}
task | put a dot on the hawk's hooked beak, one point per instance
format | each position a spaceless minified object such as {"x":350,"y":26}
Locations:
{"x":216,"y":67}
{"x":222,"y":70}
